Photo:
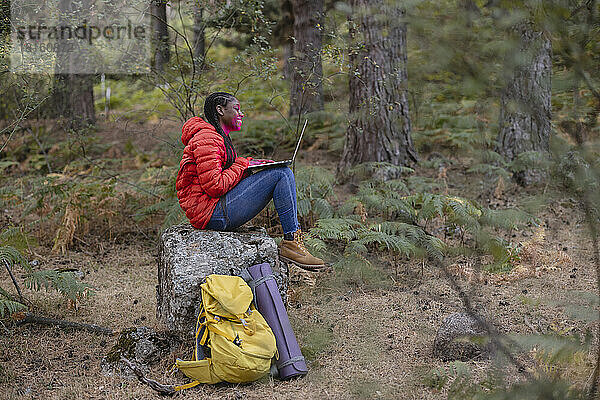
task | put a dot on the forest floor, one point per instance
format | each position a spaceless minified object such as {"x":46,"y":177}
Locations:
{"x":360,"y":342}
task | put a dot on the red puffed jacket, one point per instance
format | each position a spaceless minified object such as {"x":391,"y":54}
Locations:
{"x":201,"y":179}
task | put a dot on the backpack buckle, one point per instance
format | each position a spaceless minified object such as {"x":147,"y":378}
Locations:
{"x":237,"y":341}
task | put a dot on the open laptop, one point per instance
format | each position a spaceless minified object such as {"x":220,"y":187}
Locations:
{"x":257,"y":167}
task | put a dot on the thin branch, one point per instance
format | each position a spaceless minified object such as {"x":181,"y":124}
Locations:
{"x":241,"y":81}
{"x":14,"y":281}
{"x":36,"y":319}
{"x":588,"y":82}
{"x":159,"y":387}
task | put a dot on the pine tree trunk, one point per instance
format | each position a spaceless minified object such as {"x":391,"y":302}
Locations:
{"x":73,"y":99}
{"x":287,"y":54}
{"x":525,"y":109}
{"x":162,"y":54}
{"x":379,"y":128}
{"x":307,"y":69}
{"x":199,"y":43}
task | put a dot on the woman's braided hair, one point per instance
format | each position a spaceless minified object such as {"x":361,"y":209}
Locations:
{"x":210,"y":114}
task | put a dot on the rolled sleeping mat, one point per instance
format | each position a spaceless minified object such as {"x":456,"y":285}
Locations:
{"x":268,"y":301}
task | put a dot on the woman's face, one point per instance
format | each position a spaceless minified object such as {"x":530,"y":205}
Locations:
{"x":230,"y":116}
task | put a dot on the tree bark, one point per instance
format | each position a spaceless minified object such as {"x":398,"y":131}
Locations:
{"x":72,"y":96}
{"x":307,"y":69}
{"x":73,"y":99}
{"x":379,"y":128}
{"x":199,"y":42}
{"x":162,"y":54}
{"x":284,"y":31}
{"x":525,"y":109}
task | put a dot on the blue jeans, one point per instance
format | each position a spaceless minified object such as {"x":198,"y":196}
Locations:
{"x":252,"y":194}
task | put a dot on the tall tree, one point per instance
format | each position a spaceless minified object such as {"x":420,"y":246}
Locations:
{"x":199,"y":42}
{"x":307,"y":68}
{"x":73,"y":99}
{"x":162,"y":55}
{"x":525,"y":109}
{"x":284,"y":32}
{"x":379,"y":128}
{"x":72,"y":96}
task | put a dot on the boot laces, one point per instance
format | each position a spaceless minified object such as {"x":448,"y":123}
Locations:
{"x":298,"y":237}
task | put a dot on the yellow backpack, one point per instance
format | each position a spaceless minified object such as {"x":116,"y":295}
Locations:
{"x":240,"y":340}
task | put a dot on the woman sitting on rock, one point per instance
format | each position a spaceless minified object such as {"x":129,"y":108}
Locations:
{"x":215,"y":190}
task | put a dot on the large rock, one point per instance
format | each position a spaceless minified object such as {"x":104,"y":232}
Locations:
{"x":187,"y":256}
{"x":461,"y":337}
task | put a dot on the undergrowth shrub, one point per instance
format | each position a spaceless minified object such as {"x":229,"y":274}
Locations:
{"x":16,"y":266}
{"x":81,"y":202}
{"x":386,"y":218}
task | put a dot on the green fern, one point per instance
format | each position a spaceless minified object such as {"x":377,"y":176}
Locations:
{"x":8,"y":306}
{"x":314,"y":187}
{"x":378,"y":169}
{"x":66,"y":283}
{"x":381,"y":217}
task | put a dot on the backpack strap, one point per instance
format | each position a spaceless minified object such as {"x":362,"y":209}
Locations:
{"x":201,"y":334}
{"x":254,"y":283}
{"x":186,"y":386}
{"x":290,"y":361}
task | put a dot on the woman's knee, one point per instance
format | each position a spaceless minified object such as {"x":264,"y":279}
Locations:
{"x":286,"y":172}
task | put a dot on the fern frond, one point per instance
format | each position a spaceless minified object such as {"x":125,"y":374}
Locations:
{"x":433,"y":246}
{"x":393,"y":243}
{"x":369,"y":169}
{"x":322,"y":208}
{"x":5,"y":164}
{"x":395,"y":186}
{"x":315,"y":243}
{"x":8,"y":307}
{"x":12,"y":256}
{"x":528,"y":160}
{"x":489,"y":169}
{"x":507,"y":219}
{"x":174,"y":216}
{"x":462,"y":212}
{"x":303,"y":207}
{"x":337,"y":228}
{"x":492,"y":157}
{"x":64,"y":282}
{"x":9,"y":233}
{"x":356,"y":247}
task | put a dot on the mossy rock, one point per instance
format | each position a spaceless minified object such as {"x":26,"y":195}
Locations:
{"x":140,"y":345}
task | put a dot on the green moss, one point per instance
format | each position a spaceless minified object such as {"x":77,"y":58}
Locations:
{"x":125,"y":347}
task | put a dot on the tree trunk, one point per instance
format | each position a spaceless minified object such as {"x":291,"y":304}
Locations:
{"x":307,"y":69}
{"x":525,"y":109}
{"x":284,"y":31}
{"x":379,"y":128}
{"x":161,"y":34}
{"x":73,"y":99}
{"x":72,"y":96}
{"x":199,"y":43}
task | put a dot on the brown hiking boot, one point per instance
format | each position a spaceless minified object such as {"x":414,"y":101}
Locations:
{"x":294,"y":251}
